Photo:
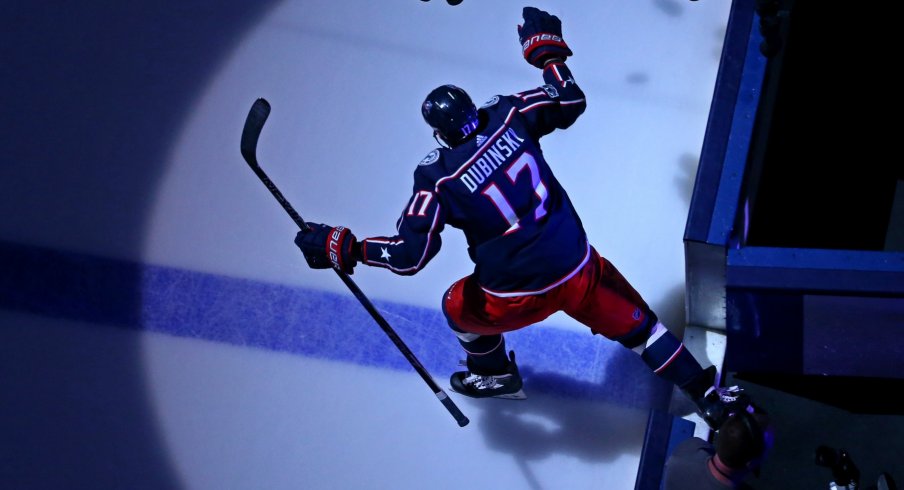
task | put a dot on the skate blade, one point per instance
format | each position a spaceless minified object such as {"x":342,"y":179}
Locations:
{"x":518,"y":395}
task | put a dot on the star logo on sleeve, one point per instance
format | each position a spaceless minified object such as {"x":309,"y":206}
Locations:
{"x":384,"y":253}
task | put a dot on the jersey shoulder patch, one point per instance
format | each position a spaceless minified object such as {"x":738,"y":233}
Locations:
{"x":550,"y":91}
{"x":493,"y":101}
{"x":431,"y":158}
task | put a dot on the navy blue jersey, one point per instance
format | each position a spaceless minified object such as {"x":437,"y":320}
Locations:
{"x":523,"y":233}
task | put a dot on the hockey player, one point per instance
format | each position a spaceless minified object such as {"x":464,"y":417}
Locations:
{"x":489,"y":178}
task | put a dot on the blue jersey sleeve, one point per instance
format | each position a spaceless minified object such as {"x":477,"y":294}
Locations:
{"x":417,"y":238}
{"x":554,"y":105}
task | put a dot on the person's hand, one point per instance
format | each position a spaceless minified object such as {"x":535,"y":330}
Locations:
{"x":541,"y":37}
{"x":327,"y":246}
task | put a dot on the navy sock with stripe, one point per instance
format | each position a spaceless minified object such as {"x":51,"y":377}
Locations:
{"x":669,"y":358}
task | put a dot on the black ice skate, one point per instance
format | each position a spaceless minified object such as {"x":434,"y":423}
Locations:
{"x":719,"y":403}
{"x":480,"y":384}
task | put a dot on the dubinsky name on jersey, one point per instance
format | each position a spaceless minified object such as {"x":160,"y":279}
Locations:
{"x":523,"y":233}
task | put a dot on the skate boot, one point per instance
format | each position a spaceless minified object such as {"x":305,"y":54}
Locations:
{"x":717,"y":404}
{"x":478,"y":383}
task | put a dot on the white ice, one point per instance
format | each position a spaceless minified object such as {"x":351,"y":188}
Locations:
{"x":346,"y":80}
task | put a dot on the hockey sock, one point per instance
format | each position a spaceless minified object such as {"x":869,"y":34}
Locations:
{"x":669,"y":358}
{"x":486,"y":353}
{"x":701,"y":384}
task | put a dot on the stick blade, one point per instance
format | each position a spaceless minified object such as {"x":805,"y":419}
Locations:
{"x":254,"y":123}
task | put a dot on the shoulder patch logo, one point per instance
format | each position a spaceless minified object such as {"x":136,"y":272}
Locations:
{"x":481,"y":139}
{"x":491,"y":102}
{"x":431,"y":157}
{"x":550,"y":91}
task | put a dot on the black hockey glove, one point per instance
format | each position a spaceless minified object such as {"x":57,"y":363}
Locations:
{"x":326,"y":246}
{"x":541,"y":37}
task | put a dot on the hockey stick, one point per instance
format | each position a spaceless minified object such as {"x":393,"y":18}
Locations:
{"x":257,"y":116}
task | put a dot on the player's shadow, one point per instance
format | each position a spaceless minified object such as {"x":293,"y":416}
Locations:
{"x":598,"y":423}
{"x":589,"y":398}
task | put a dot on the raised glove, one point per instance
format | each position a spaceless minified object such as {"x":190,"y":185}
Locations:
{"x":326,"y":246}
{"x":541,"y":37}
